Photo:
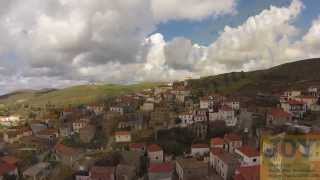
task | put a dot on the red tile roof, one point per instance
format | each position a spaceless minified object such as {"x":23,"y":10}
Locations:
{"x":161,"y":168}
{"x":199,"y":146}
{"x":154,"y":148}
{"x":232,"y":137}
{"x":249,"y":151}
{"x":217,"y":141}
{"x":65,"y":150}
{"x":279,"y":113}
{"x":216,"y":151}
{"x":100,"y":172}
{"x":295,"y":102}
{"x":122,"y":133}
{"x":248,"y":173}
{"x":10,"y":159}
{"x":6,"y":168}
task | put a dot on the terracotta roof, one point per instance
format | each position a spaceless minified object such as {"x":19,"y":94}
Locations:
{"x":161,"y":168}
{"x":279,"y":113}
{"x":6,"y":168}
{"x":217,"y":141}
{"x":10,"y":159}
{"x":249,"y":151}
{"x":65,"y":150}
{"x":191,"y":163}
{"x":229,"y":158}
{"x":232,"y":137}
{"x":199,"y":146}
{"x":248,"y":173}
{"x":100,"y":172}
{"x":154,"y":148}
{"x":121,"y":133}
{"x":216,"y":151}
{"x":295,"y":102}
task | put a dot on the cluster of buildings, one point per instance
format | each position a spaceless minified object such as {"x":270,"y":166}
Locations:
{"x":129,"y":124}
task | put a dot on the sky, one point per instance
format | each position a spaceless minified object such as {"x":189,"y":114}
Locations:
{"x":61,"y":43}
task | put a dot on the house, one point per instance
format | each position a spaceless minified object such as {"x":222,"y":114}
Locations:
{"x":294,"y":107}
{"x":181,"y":93}
{"x":200,"y":118}
{"x":65,"y":130}
{"x":213,"y":156}
{"x":216,"y":143}
{"x":199,"y":129}
{"x":81,"y":175}
{"x":147,"y":106}
{"x":199,"y":149}
{"x":8,"y":169}
{"x":186,"y":119}
{"x":278,"y":117}
{"x":140,"y":147}
{"x":155,"y":153}
{"x":102,"y":173}
{"x":10,"y":160}
{"x":160,"y":171}
{"x":249,"y":156}
{"x":227,"y":114}
{"x":226,"y":164}
{"x":125,"y":172}
{"x":133,"y":121}
{"x":248,"y":173}
{"x":308,"y":100}
{"x":87,"y":133}
{"x":291,"y":94}
{"x":38,"y":171}
{"x":188,"y":169}
{"x":48,"y":134}
{"x":79,"y":124}
{"x":10,"y":120}
{"x":132,"y":159}
{"x":12,"y":136}
{"x":232,"y":142}
{"x":122,"y":136}
{"x":235,"y":105}
{"x":314,"y":90}
{"x":160,"y":118}
{"x":67,"y":155}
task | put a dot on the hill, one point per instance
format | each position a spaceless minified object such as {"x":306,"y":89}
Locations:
{"x":70,"y":96}
{"x":295,"y":75}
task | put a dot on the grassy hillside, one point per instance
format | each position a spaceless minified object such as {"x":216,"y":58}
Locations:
{"x":74,"y":95}
{"x":295,"y":75}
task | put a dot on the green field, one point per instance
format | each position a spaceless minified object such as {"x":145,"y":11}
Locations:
{"x":71,"y":96}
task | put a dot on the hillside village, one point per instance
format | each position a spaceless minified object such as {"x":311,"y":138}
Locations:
{"x":167,"y":132}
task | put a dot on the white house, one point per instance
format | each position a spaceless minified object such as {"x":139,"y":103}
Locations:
{"x":227,"y":114}
{"x":213,"y":156}
{"x":308,"y":100}
{"x":10,"y":120}
{"x":155,"y":153}
{"x":122,"y":136}
{"x":147,"y":106}
{"x":296,"y":108}
{"x":186,"y":119}
{"x":235,"y":105}
{"x":249,"y":156}
{"x":199,"y":149}
{"x":117,"y":109}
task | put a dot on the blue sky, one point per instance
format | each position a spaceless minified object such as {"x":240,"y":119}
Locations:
{"x":206,"y":31}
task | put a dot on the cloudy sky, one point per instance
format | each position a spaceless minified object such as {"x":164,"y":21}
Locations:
{"x":59,"y":43}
